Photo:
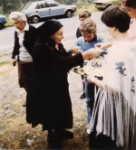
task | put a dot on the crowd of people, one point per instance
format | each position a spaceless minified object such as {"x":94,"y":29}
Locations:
{"x":44,"y":63}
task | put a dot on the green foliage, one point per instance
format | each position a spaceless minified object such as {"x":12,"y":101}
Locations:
{"x":7,"y":6}
{"x":67,"y":1}
{"x":9,"y":22}
{"x":4,"y":63}
{"x":87,"y":6}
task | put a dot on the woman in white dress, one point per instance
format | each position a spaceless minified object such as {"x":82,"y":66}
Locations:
{"x":114,"y":113}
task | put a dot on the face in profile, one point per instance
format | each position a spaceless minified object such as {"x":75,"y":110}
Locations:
{"x":131,"y":11}
{"x":19,"y":24}
{"x":57,"y":36}
{"x":88,"y":36}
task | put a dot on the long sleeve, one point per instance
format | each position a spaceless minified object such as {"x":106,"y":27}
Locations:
{"x":70,"y":62}
{"x":78,"y":33}
{"x":16,"y":46}
{"x":30,"y":38}
{"x":45,"y":55}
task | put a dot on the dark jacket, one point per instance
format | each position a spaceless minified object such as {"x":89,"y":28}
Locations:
{"x":29,"y":40}
{"x":48,"y":99}
{"x":78,"y":33}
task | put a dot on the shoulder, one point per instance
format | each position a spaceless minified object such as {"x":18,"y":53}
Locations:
{"x":39,"y":48}
{"x":39,"y":45}
{"x":101,"y":38}
{"x":15,"y":32}
{"x":31,"y":28}
{"x":15,"y":35}
{"x":122,"y":49}
{"x":77,"y":29}
{"x":61,"y":47}
{"x":80,"y":39}
{"x":33,"y":31}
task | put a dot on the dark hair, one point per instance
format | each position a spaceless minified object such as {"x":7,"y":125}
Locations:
{"x":88,"y":26}
{"x":130,"y":3}
{"x":84,"y":13}
{"x":116,"y":16}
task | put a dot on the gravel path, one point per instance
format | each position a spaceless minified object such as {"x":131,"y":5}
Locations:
{"x":15,"y":133}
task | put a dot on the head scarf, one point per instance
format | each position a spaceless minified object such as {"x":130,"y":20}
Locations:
{"x":47,"y":29}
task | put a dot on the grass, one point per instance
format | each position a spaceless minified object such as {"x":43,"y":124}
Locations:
{"x":9,"y":22}
{"x":4,"y":63}
{"x":5,"y":54}
{"x":14,"y":131}
{"x":90,"y":7}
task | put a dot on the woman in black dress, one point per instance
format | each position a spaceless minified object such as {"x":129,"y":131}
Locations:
{"x":48,"y":99}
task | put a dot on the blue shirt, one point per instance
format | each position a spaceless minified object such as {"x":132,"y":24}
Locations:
{"x":87,"y":45}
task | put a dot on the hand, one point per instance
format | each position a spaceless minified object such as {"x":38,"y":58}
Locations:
{"x":93,"y":53}
{"x":14,"y":62}
{"x":103,"y":45}
{"x":74,"y":50}
{"x":91,"y":78}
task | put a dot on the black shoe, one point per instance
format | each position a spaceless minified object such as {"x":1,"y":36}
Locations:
{"x":55,"y":146}
{"x":64,"y":134}
{"x":83,"y":96}
{"x":54,"y":141}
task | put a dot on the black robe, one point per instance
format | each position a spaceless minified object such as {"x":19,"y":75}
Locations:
{"x":48,"y":99}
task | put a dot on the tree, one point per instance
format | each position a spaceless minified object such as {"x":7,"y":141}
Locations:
{"x":9,"y":5}
{"x":12,"y":5}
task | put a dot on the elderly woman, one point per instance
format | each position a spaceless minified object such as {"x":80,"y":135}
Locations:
{"x":114,"y":113}
{"x":24,"y":38}
{"x":48,"y":99}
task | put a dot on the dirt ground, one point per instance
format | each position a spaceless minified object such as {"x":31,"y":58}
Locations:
{"x":15,"y":133}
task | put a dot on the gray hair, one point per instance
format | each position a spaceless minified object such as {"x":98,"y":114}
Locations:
{"x":17,"y":16}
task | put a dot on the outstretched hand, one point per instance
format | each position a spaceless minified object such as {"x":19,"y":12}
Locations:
{"x":91,"y":53}
{"x":94,"y":52}
{"x":103,"y":45}
{"x":75,"y":49}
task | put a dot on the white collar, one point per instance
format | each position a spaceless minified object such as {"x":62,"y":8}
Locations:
{"x":26,"y":28}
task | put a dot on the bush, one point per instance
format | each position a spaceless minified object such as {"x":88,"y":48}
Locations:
{"x":9,"y":22}
{"x":87,"y":6}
